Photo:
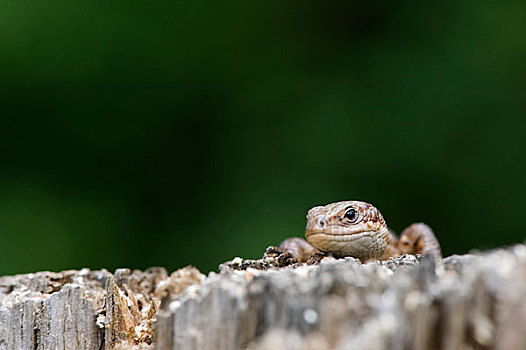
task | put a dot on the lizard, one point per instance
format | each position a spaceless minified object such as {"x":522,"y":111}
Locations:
{"x":356,"y":229}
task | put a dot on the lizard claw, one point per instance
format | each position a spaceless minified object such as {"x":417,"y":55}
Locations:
{"x":286,"y":259}
{"x":315,"y":258}
{"x":280,"y":256}
{"x":272,"y":252}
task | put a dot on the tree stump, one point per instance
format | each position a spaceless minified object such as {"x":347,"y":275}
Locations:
{"x":475,"y":301}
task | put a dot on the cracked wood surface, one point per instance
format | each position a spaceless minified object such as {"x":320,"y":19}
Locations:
{"x":473,"y":301}
{"x":85,"y":309}
{"x":462,"y":302}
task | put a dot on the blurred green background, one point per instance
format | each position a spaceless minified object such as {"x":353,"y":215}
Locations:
{"x":139,"y":133}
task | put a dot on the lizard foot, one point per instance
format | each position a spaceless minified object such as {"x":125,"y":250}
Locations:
{"x":316,"y":258}
{"x":280,"y":256}
{"x":272,"y":252}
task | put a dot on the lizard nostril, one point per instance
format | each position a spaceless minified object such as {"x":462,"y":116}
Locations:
{"x":321,"y":222}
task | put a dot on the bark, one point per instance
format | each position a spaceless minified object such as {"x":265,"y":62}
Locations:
{"x":462,"y":302}
{"x":473,"y":301}
{"x":85,"y":309}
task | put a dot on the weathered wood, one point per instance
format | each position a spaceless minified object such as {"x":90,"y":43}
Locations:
{"x":462,"y":302}
{"x":51,"y":310}
{"x":85,"y":309}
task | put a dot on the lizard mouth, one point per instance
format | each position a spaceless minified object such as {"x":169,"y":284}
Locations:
{"x":358,"y":244}
{"x":338,"y":235}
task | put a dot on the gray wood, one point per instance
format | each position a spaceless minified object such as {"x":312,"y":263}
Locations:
{"x":473,"y":301}
{"x":51,"y":310}
{"x":85,"y":309}
{"x":461,"y":302}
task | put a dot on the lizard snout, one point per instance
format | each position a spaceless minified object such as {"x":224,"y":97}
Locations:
{"x":317,"y":223}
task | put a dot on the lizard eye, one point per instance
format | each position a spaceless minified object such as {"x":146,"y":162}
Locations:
{"x":351,"y":215}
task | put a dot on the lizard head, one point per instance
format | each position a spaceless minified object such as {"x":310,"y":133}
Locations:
{"x":349,"y":228}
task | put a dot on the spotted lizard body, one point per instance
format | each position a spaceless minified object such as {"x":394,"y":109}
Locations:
{"x":357,"y":229}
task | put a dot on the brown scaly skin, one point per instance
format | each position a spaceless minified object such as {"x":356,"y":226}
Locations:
{"x":357,"y":229}
{"x":419,"y":239}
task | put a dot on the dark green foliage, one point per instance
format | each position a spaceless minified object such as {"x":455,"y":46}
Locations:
{"x":139,"y":133}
